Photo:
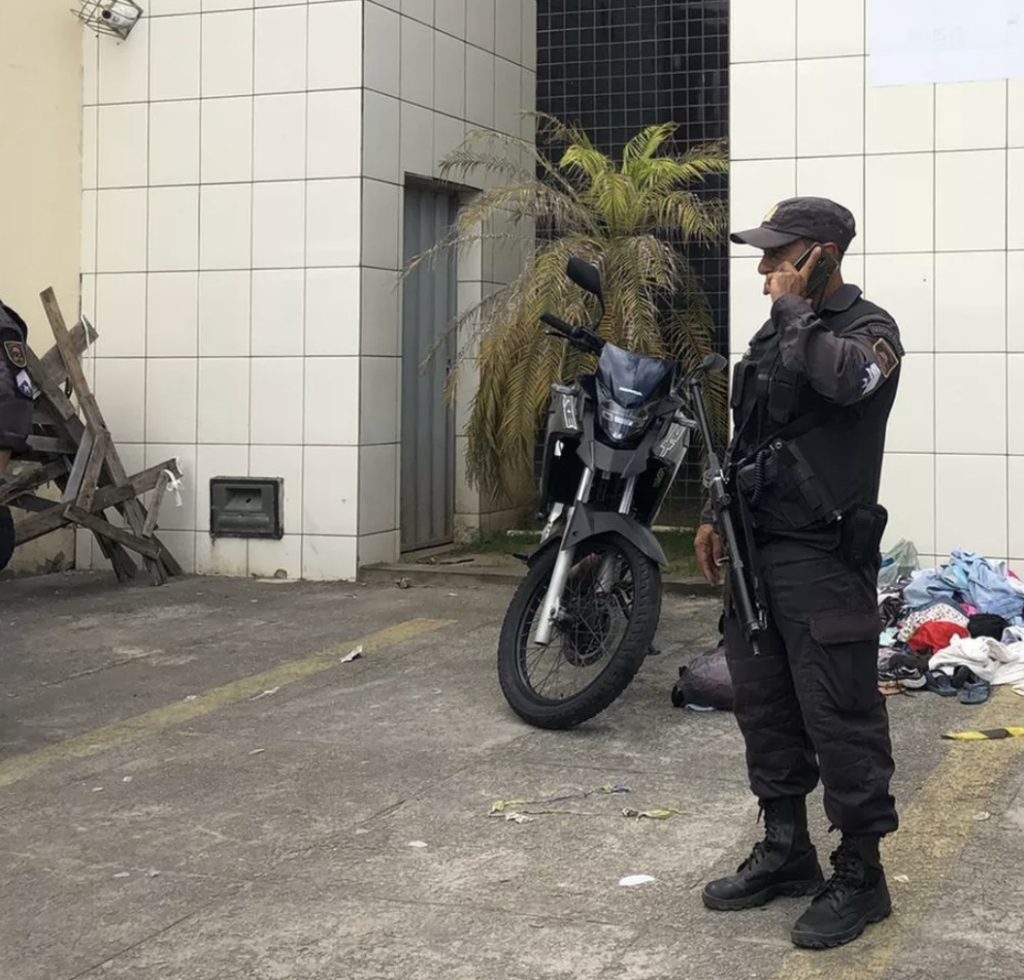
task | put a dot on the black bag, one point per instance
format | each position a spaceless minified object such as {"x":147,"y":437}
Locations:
{"x":706,"y":683}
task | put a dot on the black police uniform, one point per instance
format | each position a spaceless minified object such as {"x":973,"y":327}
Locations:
{"x":16,"y":406}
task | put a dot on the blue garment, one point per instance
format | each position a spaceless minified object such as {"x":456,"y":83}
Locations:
{"x":968,"y":578}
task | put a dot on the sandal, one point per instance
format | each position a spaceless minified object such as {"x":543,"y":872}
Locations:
{"x":975,"y":692}
{"x":939,"y":682}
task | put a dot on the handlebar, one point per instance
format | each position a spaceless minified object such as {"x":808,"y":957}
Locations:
{"x":550,"y":320}
{"x":579,"y":337}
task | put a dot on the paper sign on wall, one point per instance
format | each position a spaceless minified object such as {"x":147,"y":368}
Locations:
{"x":923,"y":41}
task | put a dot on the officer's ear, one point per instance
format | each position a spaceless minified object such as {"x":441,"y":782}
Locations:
{"x":832,"y":249}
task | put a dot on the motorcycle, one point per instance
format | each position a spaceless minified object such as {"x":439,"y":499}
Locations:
{"x":584,"y":618}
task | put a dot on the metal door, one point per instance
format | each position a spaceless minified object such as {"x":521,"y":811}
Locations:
{"x":428,"y":424}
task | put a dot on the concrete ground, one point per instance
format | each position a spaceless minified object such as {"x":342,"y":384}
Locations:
{"x":192,"y":785}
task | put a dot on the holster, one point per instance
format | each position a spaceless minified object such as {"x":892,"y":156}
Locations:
{"x":861,"y":536}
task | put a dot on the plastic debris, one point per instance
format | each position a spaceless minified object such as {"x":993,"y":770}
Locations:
{"x":902,"y":879}
{"x":513,"y":816}
{"x":126,"y":779}
{"x":500,"y":806}
{"x":257,"y":752}
{"x":191,"y":697}
{"x":982,"y":815}
{"x":617,"y":788}
{"x":265,"y":694}
{"x":631,"y":881}
{"x":153,"y":873}
{"x":655,"y":814}
{"x":418,"y":843}
{"x":356,"y":654}
{"x":123,"y":874}
{"x":453,"y":595}
{"x":403,"y":583}
{"x":97,"y":789}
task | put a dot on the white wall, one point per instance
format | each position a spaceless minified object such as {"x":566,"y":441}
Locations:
{"x":932,"y":173}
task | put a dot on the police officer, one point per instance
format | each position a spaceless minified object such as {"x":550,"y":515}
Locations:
{"x":810,"y":400}
{"x":15,"y":409}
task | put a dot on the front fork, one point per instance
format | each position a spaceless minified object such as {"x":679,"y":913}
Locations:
{"x":551,"y":607}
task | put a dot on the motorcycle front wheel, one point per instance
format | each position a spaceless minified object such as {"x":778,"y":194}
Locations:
{"x":610,"y":612}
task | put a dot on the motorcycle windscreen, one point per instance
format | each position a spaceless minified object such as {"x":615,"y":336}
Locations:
{"x":633,"y":380}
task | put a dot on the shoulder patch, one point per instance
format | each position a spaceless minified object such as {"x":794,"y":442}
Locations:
{"x":15,"y":351}
{"x":885,"y":357}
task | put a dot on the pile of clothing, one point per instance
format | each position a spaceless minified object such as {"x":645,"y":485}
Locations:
{"x":957,"y":630}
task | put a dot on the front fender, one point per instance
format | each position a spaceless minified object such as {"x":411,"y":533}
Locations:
{"x":588,"y":522}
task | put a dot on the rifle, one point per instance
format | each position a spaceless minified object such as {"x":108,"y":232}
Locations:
{"x":743,"y":582}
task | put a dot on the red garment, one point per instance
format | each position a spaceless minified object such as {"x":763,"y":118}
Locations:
{"x":935,"y":636}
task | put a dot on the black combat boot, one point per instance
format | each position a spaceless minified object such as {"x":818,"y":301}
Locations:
{"x":784,"y":863}
{"x":855,"y":896}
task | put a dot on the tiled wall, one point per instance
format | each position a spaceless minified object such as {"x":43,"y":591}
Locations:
{"x":241,"y":232}
{"x":934,"y":174}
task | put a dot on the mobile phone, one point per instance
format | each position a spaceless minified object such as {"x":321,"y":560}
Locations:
{"x":822,"y":272}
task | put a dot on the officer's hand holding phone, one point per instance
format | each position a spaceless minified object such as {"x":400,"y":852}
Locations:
{"x":806,"y":277}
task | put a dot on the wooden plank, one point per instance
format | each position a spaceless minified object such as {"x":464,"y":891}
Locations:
{"x":124,"y":567}
{"x":168,"y":560}
{"x":90,"y":478}
{"x":37,"y":476}
{"x":108,"y":530}
{"x":34,"y":503}
{"x":154,"y":508}
{"x":52,"y":445}
{"x":74,"y":484}
{"x":82,"y":336}
{"x":50,"y":387}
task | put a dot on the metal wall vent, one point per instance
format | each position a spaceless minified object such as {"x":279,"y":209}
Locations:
{"x":246,"y":507}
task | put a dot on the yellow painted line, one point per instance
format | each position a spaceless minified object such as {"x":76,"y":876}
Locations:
{"x":152,"y":722}
{"x":934,"y":829}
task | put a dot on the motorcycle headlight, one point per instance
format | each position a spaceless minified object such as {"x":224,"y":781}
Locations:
{"x":620,"y":423}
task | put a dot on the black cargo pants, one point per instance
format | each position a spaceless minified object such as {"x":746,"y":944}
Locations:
{"x":809,"y":704}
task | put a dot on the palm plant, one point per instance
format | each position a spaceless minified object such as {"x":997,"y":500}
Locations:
{"x":629,"y":218}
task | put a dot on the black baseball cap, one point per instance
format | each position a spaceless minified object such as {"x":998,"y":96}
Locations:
{"x":814,"y":218}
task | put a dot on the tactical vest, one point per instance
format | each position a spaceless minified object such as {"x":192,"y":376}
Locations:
{"x":800,"y":460}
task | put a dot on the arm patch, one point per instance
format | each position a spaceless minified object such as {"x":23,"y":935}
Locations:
{"x":885,"y":357}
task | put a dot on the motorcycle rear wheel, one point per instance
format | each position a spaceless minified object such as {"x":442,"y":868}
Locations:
{"x":598,"y":647}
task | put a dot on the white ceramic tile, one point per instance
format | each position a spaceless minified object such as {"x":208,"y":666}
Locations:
{"x":120,"y":231}
{"x":124,"y":68}
{"x":227,"y":139}
{"x":173,"y":518}
{"x":529,"y":35}
{"x":328,"y":558}
{"x":378,"y":489}
{"x":826,"y":30}
{"x":171,"y":399}
{"x":336,"y":44}
{"x":172,"y":317}
{"x":970,"y":504}
{"x":450,"y":17}
{"x":898,"y":203}
{"x":381,"y":380}
{"x":382,"y":71}
{"x":182,"y":546}
{"x":123,"y":145}
{"x":278,"y":297}
{"x":417,"y":136}
{"x":507,"y":94}
{"x":380,"y":304}
{"x":970,"y":403}
{"x":907,"y":492}
{"x":279,"y":137}
{"x":224,"y":400}
{"x":970,"y":116}
{"x":904,"y":286}
{"x":749,"y":308}
{"x":161,"y":8}
{"x":278,"y":225}
{"x":838,"y":178}
{"x":269,"y":558}
{"x":90,"y":145}
{"x":87,"y":301}
{"x":508,"y":29}
{"x":227,"y":48}
{"x":225,"y":227}
{"x":83,"y":551}
{"x":380,"y":236}
{"x":224,"y":299}
{"x":853,"y":269}
{"x":377,"y":549}
{"x":912,"y":422}
{"x":174,"y":143}
{"x":381,"y":140}
{"x":417,"y":61}
{"x":479,"y":87}
{"x":284,"y":463}
{"x":1015,"y":466}
{"x":480,"y":23}
{"x":277,"y":400}
{"x":754,"y":187}
{"x":332,"y":311}
{"x":418,"y":9}
{"x":761,"y":31}
{"x":1015,"y":301}
{"x":449,"y":75}
{"x":212,"y":6}
{"x":978,"y":219}
{"x":228,"y":557}
{"x":330,"y":488}
{"x":1015,"y":197}
{"x":899,"y":118}
{"x":1015,"y":113}
{"x":830,"y":106}
{"x":970,"y":320}
{"x":448,"y":136}
{"x":332,"y":228}
{"x":216,"y":461}
{"x":90,"y":67}
{"x":121,"y":315}
{"x":753,"y":132}
{"x":335,"y":122}
{"x":280,"y":57}
{"x":1015,"y":403}
{"x":332,"y":401}
{"x":173,"y":229}
{"x":174,"y":58}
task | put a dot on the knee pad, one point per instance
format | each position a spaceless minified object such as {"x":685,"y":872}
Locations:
{"x":6,"y":537}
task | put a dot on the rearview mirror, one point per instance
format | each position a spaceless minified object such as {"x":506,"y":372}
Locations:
{"x":713,"y":364}
{"x":585,"y":276}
